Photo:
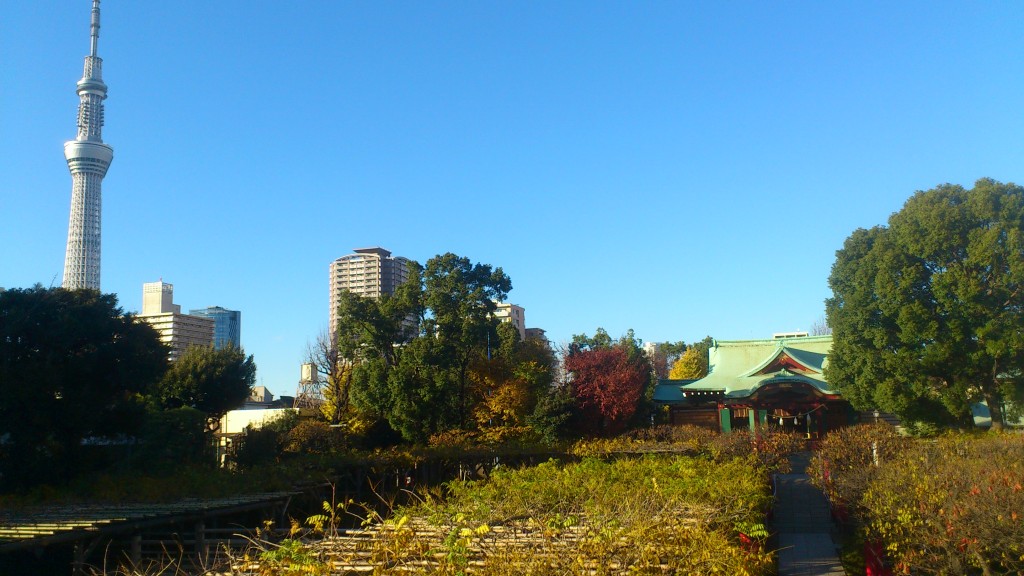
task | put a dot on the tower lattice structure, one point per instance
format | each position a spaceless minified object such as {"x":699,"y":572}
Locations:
{"x":88,"y":159}
{"x":310,"y":393}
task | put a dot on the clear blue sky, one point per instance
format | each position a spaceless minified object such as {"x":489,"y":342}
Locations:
{"x":680,"y":168}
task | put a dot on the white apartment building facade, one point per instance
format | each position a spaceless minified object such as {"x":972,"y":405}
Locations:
{"x":515,"y":315}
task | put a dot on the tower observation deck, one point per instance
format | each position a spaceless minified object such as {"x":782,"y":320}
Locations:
{"x":88,"y":159}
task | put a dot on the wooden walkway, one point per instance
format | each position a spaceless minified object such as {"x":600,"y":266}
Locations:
{"x":86,"y":527}
{"x":417,"y":547}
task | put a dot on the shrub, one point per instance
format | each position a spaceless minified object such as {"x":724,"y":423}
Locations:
{"x":695,"y":437}
{"x":173,"y":438}
{"x":262,"y":445}
{"x":844,"y":463}
{"x":954,"y":506}
{"x":493,"y":440}
{"x":771,"y":447}
{"x":650,"y":515}
{"x":311,"y":437}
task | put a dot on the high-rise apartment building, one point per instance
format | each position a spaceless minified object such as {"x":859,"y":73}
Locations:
{"x":227,"y":325}
{"x":177,"y":330}
{"x":367,"y":272}
{"x":88,"y":159}
{"x":514,"y":315}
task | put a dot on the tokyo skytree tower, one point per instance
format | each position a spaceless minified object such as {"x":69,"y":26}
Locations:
{"x":88,"y":159}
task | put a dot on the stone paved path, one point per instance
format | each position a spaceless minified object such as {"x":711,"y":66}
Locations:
{"x":803,"y":525}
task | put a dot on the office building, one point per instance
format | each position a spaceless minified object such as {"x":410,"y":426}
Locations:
{"x":88,"y":159}
{"x":227,"y":325}
{"x":368,"y":272}
{"x":177,"y":330}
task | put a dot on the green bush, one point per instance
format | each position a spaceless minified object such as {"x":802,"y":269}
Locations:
{"x":258,"y":446}
{"x":173,"y":438}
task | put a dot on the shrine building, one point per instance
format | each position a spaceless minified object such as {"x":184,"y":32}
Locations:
{"x":777,"y":382}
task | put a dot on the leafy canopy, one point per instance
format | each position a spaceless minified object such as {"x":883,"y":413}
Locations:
{"x":693,"y":363}
{"x":72,"y":366}
{"x":688,"y":367}
{"x":210,"y":380}
{"x":664,"y":355}
{"x":609,"y":380}
{"x":927,"y":312}
{"x":429,"y":380}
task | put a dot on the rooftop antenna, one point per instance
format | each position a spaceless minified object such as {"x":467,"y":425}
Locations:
{"x":94,"y":28}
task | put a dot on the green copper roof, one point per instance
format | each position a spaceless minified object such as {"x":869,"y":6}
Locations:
{"x":669,"y":391}
{"x":739,"y":367}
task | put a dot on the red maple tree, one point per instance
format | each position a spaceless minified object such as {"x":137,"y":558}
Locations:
{"x":607,"y":385}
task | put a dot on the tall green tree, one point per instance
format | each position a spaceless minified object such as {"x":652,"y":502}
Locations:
{"x":210,"y":380}
{"x":420,"y":393}
{"x":461,"y":297}
{"x":421,"y":381}
{"x":927,"y":311}
{"x":72,"y":366}
{"x":600,"y":339}
{"x":371,"y":336}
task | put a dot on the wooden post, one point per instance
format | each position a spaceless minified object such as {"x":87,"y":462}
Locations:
{"x":200,"y":537}
{"x":78,"y":559}
{"x":360,"y":479}
{"x":136,"y":553}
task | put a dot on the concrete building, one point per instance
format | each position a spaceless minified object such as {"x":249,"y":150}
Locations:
{"x":227,"y":325}
{"x":515,"y":315}
{"x":177,"y":330}
{"x":368,"y":272}
{"x":88,"y":159}
{"x":260,"y":398}
{"x":158,"y":298}
{"x":536,"y":334}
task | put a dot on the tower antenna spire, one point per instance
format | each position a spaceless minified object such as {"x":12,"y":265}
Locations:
{"x":94,"y":28}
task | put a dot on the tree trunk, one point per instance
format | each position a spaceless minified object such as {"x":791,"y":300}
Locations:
{"x":995,"y":410}
{"x":462,"y":393}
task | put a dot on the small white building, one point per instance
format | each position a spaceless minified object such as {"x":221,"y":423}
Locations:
{"x":235,"y":421}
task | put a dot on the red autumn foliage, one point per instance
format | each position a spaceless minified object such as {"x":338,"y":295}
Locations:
{"x":607,"y":385}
